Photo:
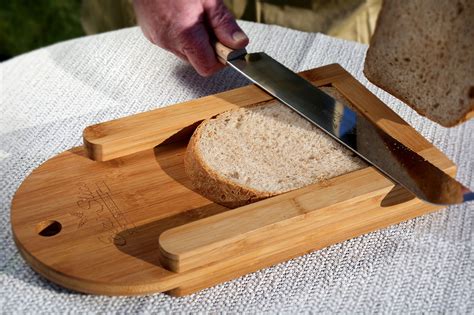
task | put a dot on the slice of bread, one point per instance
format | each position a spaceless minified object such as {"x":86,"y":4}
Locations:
{"x":422,"y":52}
{"x":248,"y":154}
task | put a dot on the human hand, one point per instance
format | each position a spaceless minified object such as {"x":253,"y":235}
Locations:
{"x":186,"y":27}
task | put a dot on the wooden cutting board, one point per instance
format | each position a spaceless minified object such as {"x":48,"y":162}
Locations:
{"x":120,"y":217}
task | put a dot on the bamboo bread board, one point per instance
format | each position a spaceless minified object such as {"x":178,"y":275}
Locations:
{"x":120,"y":217}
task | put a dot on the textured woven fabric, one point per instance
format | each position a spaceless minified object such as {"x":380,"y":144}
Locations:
{"x":50,"y":95}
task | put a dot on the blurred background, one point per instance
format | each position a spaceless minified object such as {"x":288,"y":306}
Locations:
{"x":26,"y":25}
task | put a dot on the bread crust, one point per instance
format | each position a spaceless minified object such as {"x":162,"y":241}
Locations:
{"x":212,"y":185}
{"x":373,"y":76}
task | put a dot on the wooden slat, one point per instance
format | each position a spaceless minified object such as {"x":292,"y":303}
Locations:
{"x":258,"y":225}
{"x":311,"y":238}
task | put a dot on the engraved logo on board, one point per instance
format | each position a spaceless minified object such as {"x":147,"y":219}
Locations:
{"x":95,"y":203}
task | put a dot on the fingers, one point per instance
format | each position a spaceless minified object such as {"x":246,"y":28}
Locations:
{"x":224,"y":25}
{"x":195,"y":45}
{"x":184,"y":27}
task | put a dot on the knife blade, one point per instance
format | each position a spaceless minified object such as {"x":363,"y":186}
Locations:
{"x":348,"y":127}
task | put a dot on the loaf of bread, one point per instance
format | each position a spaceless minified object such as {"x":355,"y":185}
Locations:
{"x":252,"y":153}
{"x":422,"y":52}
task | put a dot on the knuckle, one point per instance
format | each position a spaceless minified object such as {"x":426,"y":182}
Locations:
{"x":155,"y":38}
{"x":205,"y":72}
{"x":164,"y":43}
{"x":208,"y":71}
{"x":192,"y":41}
{"x":222,"y":17}
{"x":190,"y":33}
{"x":203,"y":62}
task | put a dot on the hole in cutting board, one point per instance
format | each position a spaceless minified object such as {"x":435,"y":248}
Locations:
{"x":48,"y":228}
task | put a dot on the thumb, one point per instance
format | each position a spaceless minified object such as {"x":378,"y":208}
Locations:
{"x":224,"y":25}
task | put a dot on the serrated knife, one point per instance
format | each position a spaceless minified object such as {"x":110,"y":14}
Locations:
{"x":351,"y":129}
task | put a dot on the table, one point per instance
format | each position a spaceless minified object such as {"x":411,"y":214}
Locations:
{"x":50,"y":95}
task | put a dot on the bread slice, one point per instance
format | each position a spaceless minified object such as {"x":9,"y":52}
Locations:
{"x":422,"y":52}
{"x":248,"y":154}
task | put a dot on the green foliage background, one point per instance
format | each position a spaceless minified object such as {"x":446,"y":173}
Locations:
{"x":29,"y":24}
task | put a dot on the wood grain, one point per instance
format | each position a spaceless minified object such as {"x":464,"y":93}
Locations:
{"x":112,"y":227}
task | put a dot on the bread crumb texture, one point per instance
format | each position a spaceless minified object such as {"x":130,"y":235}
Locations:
{"x":271,"y":149}
{"x":422,"y":53}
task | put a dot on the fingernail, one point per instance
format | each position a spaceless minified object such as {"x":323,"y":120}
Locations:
{"x":239,"y":36}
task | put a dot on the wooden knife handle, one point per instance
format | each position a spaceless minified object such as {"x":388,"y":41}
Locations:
{"x":225,"y":53}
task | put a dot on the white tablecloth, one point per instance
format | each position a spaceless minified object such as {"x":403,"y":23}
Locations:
{"x":50,"y":95}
